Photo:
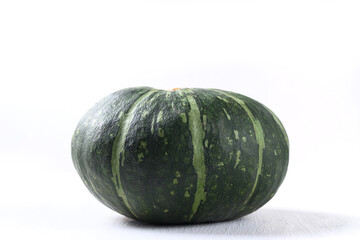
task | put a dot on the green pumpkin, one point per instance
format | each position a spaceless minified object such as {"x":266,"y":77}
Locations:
{"x":180,"y":156}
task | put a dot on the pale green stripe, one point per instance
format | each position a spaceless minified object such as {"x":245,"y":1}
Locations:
{"x":197,"y":135}
{"x":227,"y":115}
{"x":118,"y":149}
{"x":152,"y":125}
{"x":277,"y":120}
{"x":222,"y":99}
{"x":259,"y":134}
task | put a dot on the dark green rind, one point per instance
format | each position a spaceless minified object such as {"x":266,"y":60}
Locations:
{"x":221,"y":154}
{"x":158,"y":168}
{"x":274,"y":167}
{"x":160,"y":174}
{"x":92,"y":146}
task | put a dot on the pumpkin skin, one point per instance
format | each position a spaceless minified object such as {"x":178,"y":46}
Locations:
{"x":181,"y":156}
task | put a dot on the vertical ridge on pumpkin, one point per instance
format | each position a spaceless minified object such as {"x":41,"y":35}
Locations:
{"x":118,"y":148}
{"x":278,"y":122}
{"x":259,"y":134}
{"x":197,"y":134}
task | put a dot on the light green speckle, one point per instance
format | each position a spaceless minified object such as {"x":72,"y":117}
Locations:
{"x":177,"y":174}
{"x":172,"y":192}
{"x":111,"y":135}
{"x":175,"y":181}
{"x":227,"y":115}
{"x":183,"y":117}
{"x":268,"y":175}
{"x":220,"y":164}
{"x":186,"y":194}
{"x":161,"y":132}
{"x":166,"y":141}
{"x":183,"y":102}
{"x":179,"y":92}
{"x":166,"y":153}
{"x":166,"y":210}
{"x":237,"y":158}
{"x":230,"y":141}
{"x":159,"y":117}
{"x":275,"y":152}
{"x":244,"y":139}
{"x":144,"y":113}
{"x":206,"y":143}
{"x":243,"y":169}
{"x":236,"y":132}
{"x":140,"y":157}
{"x":143,"y":145}
{"x":77,"y":132}
{"x":211,"y":146}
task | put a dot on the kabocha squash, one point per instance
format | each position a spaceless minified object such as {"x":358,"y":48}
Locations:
{"x":180,"y":156}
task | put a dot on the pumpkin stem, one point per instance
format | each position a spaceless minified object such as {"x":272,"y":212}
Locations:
{"x":173,"y":89}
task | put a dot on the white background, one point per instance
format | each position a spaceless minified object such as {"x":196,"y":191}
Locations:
{"x":300,"y":58}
